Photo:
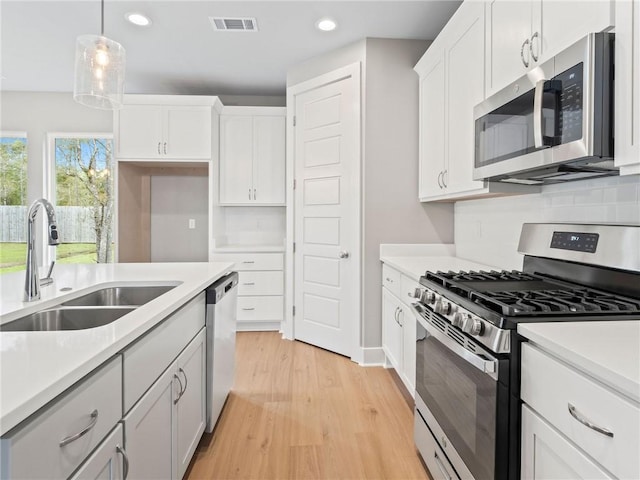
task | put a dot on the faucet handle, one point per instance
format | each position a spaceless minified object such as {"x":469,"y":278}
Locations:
{"x":48,"y":280}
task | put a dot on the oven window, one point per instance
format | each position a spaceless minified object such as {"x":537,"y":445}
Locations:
{"x":463,"y":401}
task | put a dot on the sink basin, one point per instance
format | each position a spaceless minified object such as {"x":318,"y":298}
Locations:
{"x":65,"y":319}
{"x":119,"y":296}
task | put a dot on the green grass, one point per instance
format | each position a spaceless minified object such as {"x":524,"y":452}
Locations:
{"x":13,"y":256}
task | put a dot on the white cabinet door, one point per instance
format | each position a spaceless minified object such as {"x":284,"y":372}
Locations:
{"x":548,"y":455}
{"x":627,"y":92}
{"x":187,"y":132}
{"x":392,"y":336}
{"x":149,"y":429}
{"x":432,"y":124}
{"x":236,"y":159}
{"x":139,"y":132}
{"x":465,"y":60}
{"x":108,"y":462}
{"x":191,"y":407}
{"x":408,"y":320}
{"x":269,"y":159}
{"x":509,"y":31}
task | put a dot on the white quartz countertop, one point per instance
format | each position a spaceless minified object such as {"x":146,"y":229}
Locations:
{"x":414,"y":260}
{"x":608,"y":351}
{"x":35,"y":367}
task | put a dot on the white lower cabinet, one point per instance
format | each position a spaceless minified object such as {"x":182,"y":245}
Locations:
{"x":548,"y":455}
{"x":65,"y":432}
{"x":163,"y":429}
{"x":108,"y":462}
{"x":260,"y":289}
{"x":399,"y":325}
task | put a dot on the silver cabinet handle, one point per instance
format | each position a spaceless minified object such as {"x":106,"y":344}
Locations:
{"x":249,"y":283}
{"x":254,"y":193}
{"x":400,"y":311}
{"x":441,"y":466}
{"x":165,"y":148}
{"x":535,"y":35}
{"x":444,"y":172}
{"x":175,"y":375}
{"x":72,"y":438}
{"x":524,"y":44}
{"x":439,"y":177}
{"x":125,"y":461}
{"x":186,"y":380}
{"x":248,"y":309}
{"x":395,"y":315}
{"x":575,"y":414}
{"x":249,"y":194}
{"x":343,"y":254}
{"x":249,"y":261}
{"x":159,"y":148}
{"x":389,"y":280}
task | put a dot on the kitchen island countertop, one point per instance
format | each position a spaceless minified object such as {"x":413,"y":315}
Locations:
{"x":35,"y":367}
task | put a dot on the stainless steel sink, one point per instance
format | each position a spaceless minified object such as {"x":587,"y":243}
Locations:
{"x":66,"y":319}
{"x":120,"y":296}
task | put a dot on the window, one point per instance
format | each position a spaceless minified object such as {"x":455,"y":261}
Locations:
{"x":82,"y":183}
{"x":13,"y":201}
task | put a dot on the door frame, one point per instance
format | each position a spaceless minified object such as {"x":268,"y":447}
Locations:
{"x":288,"y":327}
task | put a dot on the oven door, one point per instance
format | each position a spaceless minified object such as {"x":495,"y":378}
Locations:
{"x":459,"y":397}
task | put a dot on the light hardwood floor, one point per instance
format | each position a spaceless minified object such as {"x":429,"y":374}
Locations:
{"x":300,"y":412}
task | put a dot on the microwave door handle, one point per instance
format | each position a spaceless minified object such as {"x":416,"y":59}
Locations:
{"x":538,"y":140}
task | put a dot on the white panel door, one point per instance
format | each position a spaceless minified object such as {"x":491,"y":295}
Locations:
{"x":465,"y":60}
{"x":187,"y":132}
{"x":326,"y":150}
{"x":236,"y":159}
{"x":268,"y":161}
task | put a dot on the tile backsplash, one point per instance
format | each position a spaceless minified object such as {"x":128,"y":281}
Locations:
{"x":488,"y":230}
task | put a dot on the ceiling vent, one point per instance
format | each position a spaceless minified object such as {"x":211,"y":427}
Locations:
{"x":246,"y":24}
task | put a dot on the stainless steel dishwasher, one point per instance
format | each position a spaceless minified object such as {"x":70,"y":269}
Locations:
{"x":222,"y":299}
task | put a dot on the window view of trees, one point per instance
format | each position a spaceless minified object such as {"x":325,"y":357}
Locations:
{"x":13,"y":200}
{"x":84,"y":197}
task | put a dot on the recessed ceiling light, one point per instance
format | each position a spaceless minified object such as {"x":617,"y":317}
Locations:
{"x":326,"y":24}
{"x":138,"y":19}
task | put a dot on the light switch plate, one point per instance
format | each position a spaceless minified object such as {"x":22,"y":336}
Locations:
{"x":192,"y":223}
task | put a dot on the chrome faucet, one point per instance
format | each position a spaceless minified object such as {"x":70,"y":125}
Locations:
{"x":32,"y":280}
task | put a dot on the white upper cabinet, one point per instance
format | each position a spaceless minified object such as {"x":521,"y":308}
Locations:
{"x":163,"y":132}
{"x":451,"y":84}
{"x":627,"y":92}
{"x":252,"y":156}
{"x":522,"y":34}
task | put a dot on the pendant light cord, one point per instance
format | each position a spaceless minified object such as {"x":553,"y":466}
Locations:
{"x":102,"y":18}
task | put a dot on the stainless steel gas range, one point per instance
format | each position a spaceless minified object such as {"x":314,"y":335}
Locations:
{"x":467,"y":415}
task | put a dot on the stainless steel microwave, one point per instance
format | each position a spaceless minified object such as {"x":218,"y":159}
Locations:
{"x":555,"y":123}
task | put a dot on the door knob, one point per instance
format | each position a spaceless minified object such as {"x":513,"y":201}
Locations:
{"x":343,"y":254}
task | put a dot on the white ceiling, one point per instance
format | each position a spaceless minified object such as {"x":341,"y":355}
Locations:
{"x":180,"y":53}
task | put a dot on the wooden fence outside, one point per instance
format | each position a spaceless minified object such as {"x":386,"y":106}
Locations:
{"x":75,"y":224}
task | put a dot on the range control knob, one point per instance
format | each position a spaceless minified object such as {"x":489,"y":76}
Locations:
{"x":428,"y":298}
{"x":473,"y":326}
{"x":443,"y":307}
{"x":417,"y":293}
{"x":458,"y":320}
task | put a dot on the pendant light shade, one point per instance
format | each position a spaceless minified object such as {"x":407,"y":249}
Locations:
{"x":99,"y":71}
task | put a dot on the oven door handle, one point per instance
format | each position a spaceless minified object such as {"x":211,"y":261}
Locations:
{"x":488,"y":366}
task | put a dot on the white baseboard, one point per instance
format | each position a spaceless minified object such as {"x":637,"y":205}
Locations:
{"x":257,"y":326}
{"x":370,"y":357}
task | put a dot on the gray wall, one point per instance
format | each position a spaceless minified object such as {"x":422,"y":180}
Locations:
{"x":391,"y":210}
{"x":328,"y":62}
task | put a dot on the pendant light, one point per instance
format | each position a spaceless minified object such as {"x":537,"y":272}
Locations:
{"x":99,"y":70}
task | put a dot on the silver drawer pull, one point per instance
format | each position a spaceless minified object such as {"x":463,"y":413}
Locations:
{"x":175,"y":375}
{"x":249,"y":283}
{"x":72,"y":438}
{"x":575,"y":414}
{"x":441,"y":466}
{"x":186,"y":380}
{"x":249,"y":261}
{"x":125,"y":461}
{"x":389,"y":280}
{"x":248,"y":309}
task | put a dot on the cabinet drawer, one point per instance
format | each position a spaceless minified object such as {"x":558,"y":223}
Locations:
{"x":252,"y":261}
{"x":391,"y":279}
{"x":550,"y":386}
{"x":261,"y":283}
{"x":150,"y":356}
{"x":433,"y":456}
{"x":260,"y":308}
{"x":34,"y":451}
{"x":407,"y":289}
